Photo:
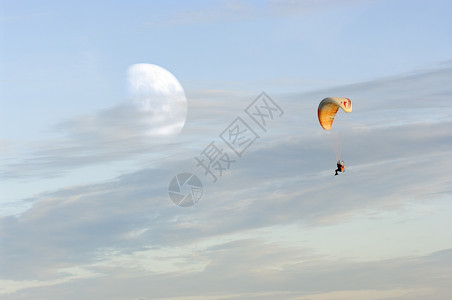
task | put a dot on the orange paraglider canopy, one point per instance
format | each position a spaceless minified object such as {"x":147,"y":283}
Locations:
{"x":328,"y":108}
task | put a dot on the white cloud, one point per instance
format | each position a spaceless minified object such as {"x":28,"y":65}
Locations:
{"x":297,"y":7}
{"x":212,"y":13}
{"x":267,"y":228}
{"x":8,"y":287}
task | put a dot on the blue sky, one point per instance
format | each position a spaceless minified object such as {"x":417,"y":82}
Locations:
{"x":83,"y":195}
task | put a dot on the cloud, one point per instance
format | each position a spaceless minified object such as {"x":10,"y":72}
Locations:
{"x":24,"y":17}
{"x":294,"y":7}
{"x":253,"y":268}
{"x":212,"y":13}
{"x":119,"y":133}
{"x":125,"y":233}
{"x":133,"y":211}
{"x":113,"y":134}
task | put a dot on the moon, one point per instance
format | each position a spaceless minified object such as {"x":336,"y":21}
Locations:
{"x":158,"y":97}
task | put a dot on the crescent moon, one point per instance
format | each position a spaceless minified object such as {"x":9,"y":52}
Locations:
{"x":159,"y":97}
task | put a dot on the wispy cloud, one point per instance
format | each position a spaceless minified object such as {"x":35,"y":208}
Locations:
{"x":212,"y":13}
{"x":119,"y":133}
{"x":73,"y":224}
{"x":250,"y":269}
{"x":293,"y":7}
{"x":126,"y":231}
{"x":113,"y":134}
{"x":23,"y":17}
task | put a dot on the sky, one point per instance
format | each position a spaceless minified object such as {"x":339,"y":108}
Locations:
{"x":85,"y":211}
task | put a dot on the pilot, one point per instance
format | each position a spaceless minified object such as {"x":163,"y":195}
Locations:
{"x":340,"y":167}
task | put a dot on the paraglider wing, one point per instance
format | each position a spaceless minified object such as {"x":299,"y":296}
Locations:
{"x":328,"y":108}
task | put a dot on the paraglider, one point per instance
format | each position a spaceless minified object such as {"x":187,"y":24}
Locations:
{"x":326,"y":113}
{"x":328,"y":108}
{"x":340,"y":167}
